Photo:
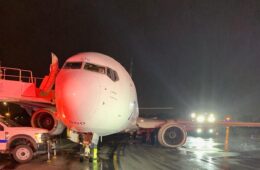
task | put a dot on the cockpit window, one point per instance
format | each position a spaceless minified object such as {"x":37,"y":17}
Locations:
{"x":72,"y":65}
{"x":112,"y":74}
{"x":95,"y":68}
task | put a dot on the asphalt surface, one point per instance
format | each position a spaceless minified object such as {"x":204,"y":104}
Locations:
{"x":197,"y":154}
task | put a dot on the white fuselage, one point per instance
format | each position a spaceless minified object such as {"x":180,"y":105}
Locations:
{"x":94,"y":93}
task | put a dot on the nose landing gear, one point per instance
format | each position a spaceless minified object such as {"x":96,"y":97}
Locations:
{"x":88,"y":148}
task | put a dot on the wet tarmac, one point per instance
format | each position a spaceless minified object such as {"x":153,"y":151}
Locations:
{"x":197,"y":154}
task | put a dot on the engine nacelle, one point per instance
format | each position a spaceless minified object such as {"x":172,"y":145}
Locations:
{"x":45,"y":119}
{"x":172,"y":135}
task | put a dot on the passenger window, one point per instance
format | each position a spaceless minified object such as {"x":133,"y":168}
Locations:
{"x":95,"y":68}
{"x":112,"y":74}
{"x":72,"y":65}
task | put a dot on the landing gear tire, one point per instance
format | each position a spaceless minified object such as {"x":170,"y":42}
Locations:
{"x":83,"y":154}
{"x":22,"y":153}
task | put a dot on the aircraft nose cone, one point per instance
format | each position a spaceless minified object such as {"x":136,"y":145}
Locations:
{"x":76,"y":96}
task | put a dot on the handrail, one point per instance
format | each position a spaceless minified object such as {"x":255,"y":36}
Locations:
{"x":8,"y":73}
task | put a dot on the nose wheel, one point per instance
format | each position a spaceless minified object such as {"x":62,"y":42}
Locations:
{"x":88,"y":153}
{"x":84,"y":152}
{"x":87,"y":150}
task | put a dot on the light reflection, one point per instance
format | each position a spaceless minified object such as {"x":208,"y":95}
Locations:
{"x":210,"y":159}
{"x":203,"y":147}
{"x":200,"y":143}
{"x":205,"y":151}
{"x":199,"y":155}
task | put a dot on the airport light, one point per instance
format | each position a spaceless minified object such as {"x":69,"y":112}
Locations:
{"x":201,"y":119}
{"x":211,"y":118}
{"x":227,"y":118}
{"x":193,"y":115}
{"x":199,"y":130}
{"x":211,"y":130}
{"x":7,"y":114}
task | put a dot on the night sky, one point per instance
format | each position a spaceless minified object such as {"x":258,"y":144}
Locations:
{"x":190,"y":55}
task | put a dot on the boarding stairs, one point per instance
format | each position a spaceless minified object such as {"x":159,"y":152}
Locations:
{"x":18,"y":85}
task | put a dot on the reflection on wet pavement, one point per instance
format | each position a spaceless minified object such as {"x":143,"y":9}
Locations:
{"x":196,"y":154}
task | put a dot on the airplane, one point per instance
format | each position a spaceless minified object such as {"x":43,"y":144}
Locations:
{"x":94,"y":96}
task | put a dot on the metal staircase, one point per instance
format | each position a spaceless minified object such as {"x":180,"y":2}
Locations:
{"x":18,"y":85}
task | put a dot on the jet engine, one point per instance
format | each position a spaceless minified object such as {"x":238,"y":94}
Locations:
{"x":45,"y":119}
{"x":172,"y":135}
